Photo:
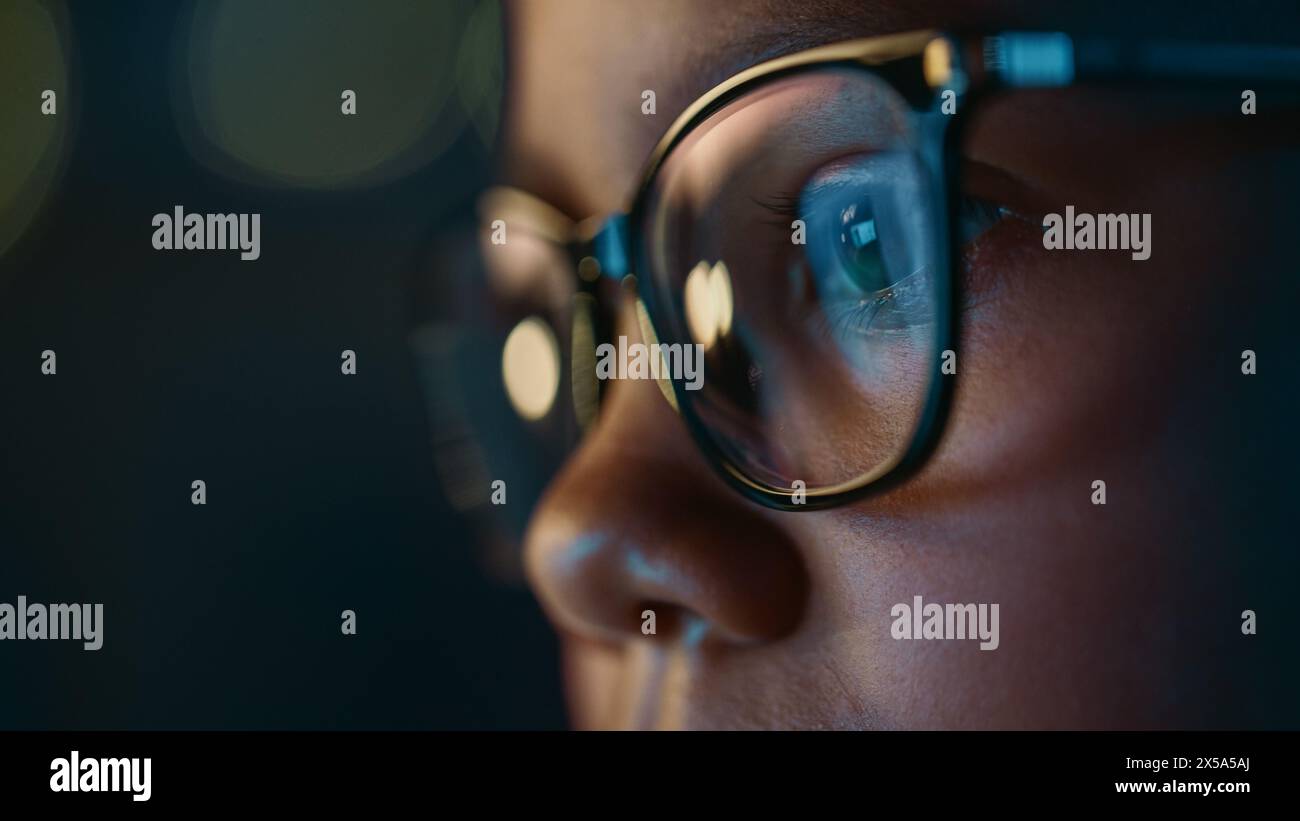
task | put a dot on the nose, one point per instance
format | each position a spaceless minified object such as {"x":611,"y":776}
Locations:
{"x":637,"y":521}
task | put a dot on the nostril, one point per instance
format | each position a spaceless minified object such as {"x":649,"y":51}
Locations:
{"x":698,"y":578}
{"x":665,"y":620}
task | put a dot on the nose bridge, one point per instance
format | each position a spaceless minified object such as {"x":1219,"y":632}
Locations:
{"x":610,"y":246}
{"x":636,"y":520}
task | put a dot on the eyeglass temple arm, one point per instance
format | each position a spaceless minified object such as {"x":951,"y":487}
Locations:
{"x":1049,"y":59}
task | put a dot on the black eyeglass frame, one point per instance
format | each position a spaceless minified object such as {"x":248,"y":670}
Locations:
{"x":920,"y":66}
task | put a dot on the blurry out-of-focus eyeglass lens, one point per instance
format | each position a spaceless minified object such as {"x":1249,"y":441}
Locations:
{"x":506,"y":349}
{"x":552,"y":311}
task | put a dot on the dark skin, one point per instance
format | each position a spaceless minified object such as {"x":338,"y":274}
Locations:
{"x":1074,"y":367}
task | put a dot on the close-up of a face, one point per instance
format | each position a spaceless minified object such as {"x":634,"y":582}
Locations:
{"x":383,"y":378}
{"x":1118,"y":611}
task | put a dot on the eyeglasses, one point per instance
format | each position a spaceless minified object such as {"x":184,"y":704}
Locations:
{"x":799,"y":225}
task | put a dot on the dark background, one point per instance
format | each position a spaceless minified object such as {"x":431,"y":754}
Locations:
{"x":176,"y":366}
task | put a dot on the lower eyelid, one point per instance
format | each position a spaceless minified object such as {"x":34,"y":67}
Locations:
{"x":975,"y":216}
{"x":988,"y":263}
{"x":984,"y":182}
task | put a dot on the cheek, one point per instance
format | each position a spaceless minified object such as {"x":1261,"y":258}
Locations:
{"x":1083,"y":635}
{"x":1079,"y":366}
{"x":1074,"y":368}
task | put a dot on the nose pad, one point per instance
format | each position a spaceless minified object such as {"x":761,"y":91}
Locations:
{"x":637,"y":521}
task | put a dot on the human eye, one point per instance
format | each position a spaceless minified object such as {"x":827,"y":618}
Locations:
{"x":863,"y":271}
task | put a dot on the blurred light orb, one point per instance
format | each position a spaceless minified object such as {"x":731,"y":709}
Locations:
{"x":530,"y":368}
{"x":260,"y":85}
{"x":32,"y":60}
{"x":709,"y":305}
{"x":480,"y":69}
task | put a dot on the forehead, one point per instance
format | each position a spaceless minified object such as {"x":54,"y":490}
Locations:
{"x":575,"y":132}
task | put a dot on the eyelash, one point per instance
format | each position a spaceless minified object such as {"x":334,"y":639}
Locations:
{"x":786,"y":207}
{"x":847,"y":316}
{"x":857,"y":314}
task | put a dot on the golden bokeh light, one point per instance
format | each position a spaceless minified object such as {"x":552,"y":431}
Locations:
{"x":709,"y":305}
{"x":530,"y":368}
{"x":32,"y":42}
{"x":259,"y":90}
